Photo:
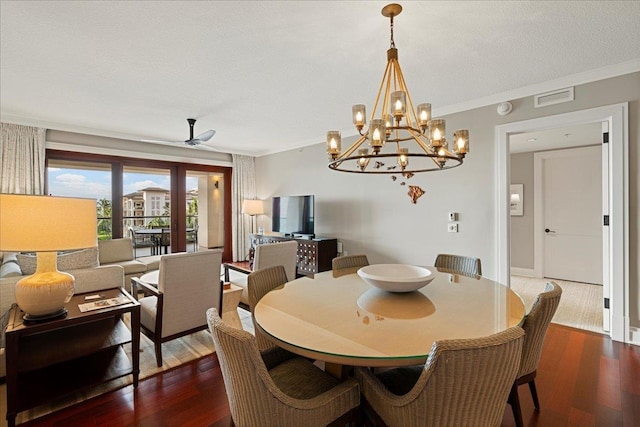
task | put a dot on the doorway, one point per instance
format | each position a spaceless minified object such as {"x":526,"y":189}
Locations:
{"x":615,"y":260}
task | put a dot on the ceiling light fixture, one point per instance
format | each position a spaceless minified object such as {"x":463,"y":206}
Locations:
{"x":416,"y":141}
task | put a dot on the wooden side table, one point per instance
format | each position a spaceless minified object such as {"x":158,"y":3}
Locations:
{"x":53,"y":358}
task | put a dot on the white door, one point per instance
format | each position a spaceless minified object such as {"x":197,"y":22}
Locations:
{"x":572,"y":193}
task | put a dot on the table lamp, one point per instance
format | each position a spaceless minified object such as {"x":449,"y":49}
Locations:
{"x":252,"y":208}
{"x":45,"y":225}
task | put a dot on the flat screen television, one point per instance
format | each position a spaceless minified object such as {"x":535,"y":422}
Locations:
{"x":292,"y":215}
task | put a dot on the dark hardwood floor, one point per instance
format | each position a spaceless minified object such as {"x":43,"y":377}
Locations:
{"x":584,"y":379}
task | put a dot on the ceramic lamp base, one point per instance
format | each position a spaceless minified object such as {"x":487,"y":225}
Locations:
{"x":47,"y":290}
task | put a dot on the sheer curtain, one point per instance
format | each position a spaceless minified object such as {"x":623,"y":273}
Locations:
{"x":243,"y":183}
{"x":22,"y":153}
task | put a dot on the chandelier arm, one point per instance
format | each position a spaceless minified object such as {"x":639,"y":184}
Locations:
{"x":417,"y":138}
{"x":384,"y":77}
{"x":349,"y":151}
{"x":410,"y":109}
{"x":338,"y":164}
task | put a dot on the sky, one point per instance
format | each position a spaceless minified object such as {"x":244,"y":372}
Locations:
{"x":97,"y":184}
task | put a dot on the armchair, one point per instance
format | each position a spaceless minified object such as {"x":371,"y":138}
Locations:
{"x":188,"y":285}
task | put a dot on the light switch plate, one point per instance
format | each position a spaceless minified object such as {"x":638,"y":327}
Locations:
{"x":453,"y":216}
{"x":452,"y":228}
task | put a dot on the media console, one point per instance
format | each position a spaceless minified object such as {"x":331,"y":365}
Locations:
{"x":314,"y":255}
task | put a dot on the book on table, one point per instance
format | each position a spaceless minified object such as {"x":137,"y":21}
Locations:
{"x":103,"y":303}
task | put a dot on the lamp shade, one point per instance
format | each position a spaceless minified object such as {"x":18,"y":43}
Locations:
{"x":252,"y":207}
{"x":44,"y":223}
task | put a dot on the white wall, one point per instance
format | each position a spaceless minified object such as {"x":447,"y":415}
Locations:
{"x":374,"y":215}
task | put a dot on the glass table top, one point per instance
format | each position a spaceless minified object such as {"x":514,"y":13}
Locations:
{"x":344,"y":320}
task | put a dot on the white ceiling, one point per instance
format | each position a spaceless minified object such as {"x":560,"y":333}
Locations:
{"x":274,"y":75}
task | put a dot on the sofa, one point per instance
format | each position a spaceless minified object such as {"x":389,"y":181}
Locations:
{"x":120,"y":252}
{"x":88,"y":279}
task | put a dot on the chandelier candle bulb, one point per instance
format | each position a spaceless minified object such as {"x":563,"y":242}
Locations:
{"x":388,"y":123}
{"x":424,"y":115}
{"x":436,"y":132}
{"x":359,"y":116}
{"x":333,"y":143}
{"x":398,"y":104}
{"x":403,"y":158}
{"x":377,"y":134}
{"x":363,"y":162}
{"x":461,"y":138}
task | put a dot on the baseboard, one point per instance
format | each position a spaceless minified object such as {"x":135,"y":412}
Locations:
{"x":634,"y":336}
{"x":526,"y":272}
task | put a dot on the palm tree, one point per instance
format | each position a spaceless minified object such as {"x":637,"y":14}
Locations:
{"x":104,"y":219}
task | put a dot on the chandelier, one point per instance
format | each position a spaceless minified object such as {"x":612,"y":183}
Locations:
{"x":411,"y":142}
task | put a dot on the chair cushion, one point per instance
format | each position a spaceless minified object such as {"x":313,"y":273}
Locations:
{"x":400,"y":381}
{"x":115,"y":250}
{"x":148,"y":312}
{"x":152,"y":262}
{"x":301,"y":379}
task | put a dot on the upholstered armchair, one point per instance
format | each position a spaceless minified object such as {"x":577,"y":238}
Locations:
{"x":458,"y":264}
{"x":271,"y":392}
{"x":348,"y":264}
{"x":270,"y":255}
{"x":188,"y":285}
{"x":464,"y":382}
{"x":281,"y":253}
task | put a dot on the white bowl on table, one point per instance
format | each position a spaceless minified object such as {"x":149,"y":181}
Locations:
{"x":396,"y":277}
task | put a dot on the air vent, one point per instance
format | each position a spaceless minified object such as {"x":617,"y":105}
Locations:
{"x":553,"y":97}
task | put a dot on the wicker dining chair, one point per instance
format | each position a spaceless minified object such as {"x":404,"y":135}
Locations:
{"x":349,"y":264}
{"x":293,"y":392}
{"x":465,"y":265}
{"x":464,"y":382}
{"x":259,"y":283}
{"x":535,"y":327}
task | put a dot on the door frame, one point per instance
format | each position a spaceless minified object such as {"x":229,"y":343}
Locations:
{"x":617,"y":117}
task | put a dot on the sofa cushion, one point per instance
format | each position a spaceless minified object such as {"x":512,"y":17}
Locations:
{"x":10,"y":266}
{"x":115,"y":250}
{"x":132,"y":267}
{"x":152,"y":262}
{"x":75,"y":260}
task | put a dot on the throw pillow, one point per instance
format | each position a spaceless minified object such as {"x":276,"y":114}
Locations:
{"x":84,"y":258}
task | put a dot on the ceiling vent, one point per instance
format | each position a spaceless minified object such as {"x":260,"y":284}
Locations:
{"x":554,"y":97}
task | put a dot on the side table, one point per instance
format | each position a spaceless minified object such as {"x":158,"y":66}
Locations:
{"x":49,"y":359}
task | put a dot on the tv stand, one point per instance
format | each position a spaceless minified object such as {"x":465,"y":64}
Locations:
{"x":314,"y":254}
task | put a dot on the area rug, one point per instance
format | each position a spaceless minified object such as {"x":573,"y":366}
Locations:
{"x":580,"y":305}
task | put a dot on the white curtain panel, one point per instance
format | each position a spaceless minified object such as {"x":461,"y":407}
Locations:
{"x":243,"y":185}
{"x":22,"y":153}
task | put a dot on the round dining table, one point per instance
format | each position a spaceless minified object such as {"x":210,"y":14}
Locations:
{"x":345,"y":321}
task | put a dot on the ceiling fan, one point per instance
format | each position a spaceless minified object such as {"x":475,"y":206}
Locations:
{"x":193,"y":142}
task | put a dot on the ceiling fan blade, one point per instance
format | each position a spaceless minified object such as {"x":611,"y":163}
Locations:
{"x":205,"y":136}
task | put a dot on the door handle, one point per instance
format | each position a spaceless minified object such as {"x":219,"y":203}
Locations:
{"x":546,"y":230}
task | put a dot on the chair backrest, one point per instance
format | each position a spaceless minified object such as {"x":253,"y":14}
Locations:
{"x":348,"y":264}
{"x":281,"y":253}
{"x":467,"y":381}
{"x":191,"y":284}
{"x":258,"y":284}
{"x":535,"y":326}
{"x":459,"y":264}
{"x":249,"y":386}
